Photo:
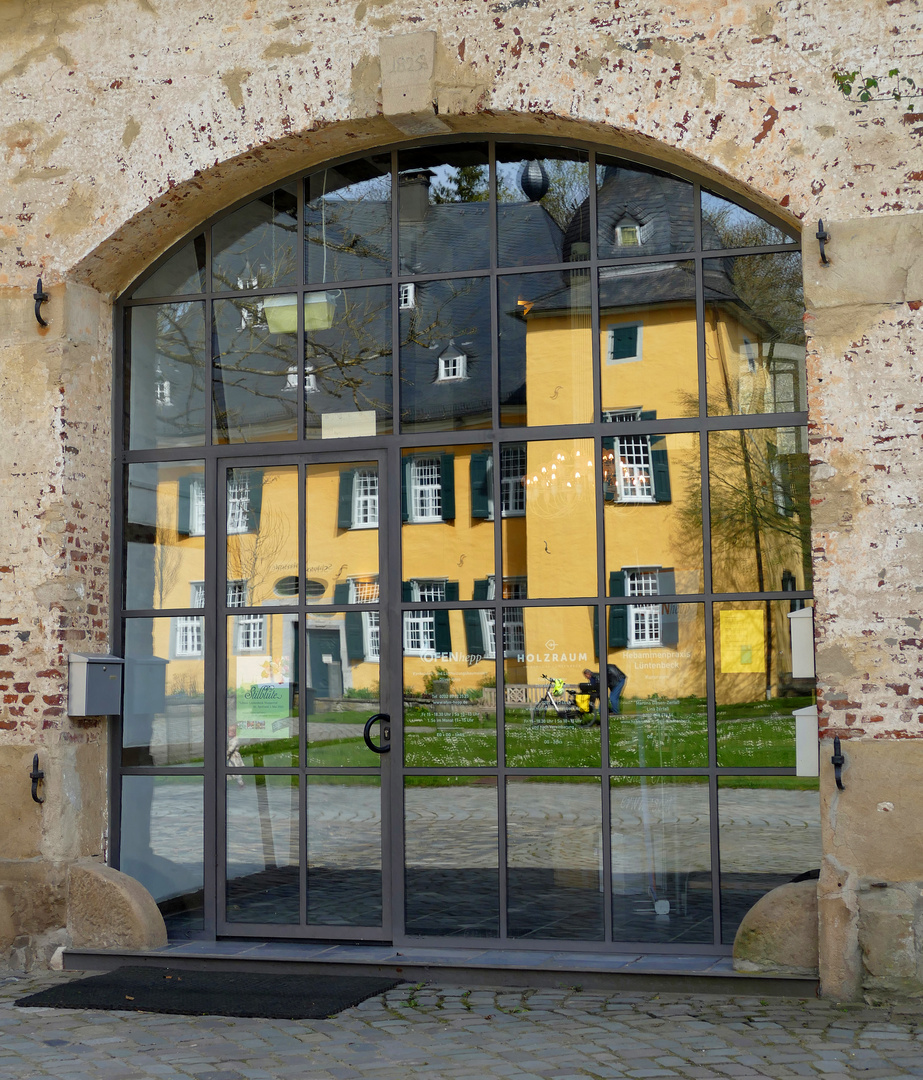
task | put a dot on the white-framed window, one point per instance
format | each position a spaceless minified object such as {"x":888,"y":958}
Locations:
{"x":644,"y":620}
{"x":365,"y":499}
{"x":453,"y":364}
{"x":406,"y":297}
{"x":196,"y":523}
{"x":162,"y":394}
{"x":514,"y":634}
{"x":188,"y":629}
{"x":512,"y":479}
{"x":623,"y":343}
{"x":237,"y":594}
{"x":425,"y":489}
{"x":628,"y":233}
{"x":238,"y":502}
{"x":627,"y":466}
{"x":250,"y":632}
{"x":420,"y":626}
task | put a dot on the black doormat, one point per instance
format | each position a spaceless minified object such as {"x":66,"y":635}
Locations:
{"x":312,"y":996}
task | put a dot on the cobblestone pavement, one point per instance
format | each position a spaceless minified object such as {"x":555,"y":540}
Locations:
{"x":453,"y":1033}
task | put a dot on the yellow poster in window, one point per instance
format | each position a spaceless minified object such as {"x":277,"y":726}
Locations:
{"x":743,"y":642}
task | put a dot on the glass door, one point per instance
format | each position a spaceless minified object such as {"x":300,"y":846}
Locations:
{"x":303,"y":709}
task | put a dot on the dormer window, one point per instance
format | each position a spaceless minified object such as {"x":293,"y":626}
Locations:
{"x":628,"y":233}
{"x":453,"y":364}
{"x":405,"y":296}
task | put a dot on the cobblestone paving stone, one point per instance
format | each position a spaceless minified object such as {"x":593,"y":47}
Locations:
{"x":454,"y":1033}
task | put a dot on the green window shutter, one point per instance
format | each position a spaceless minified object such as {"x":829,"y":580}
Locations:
{"x":407,"y":592}
{"x":405,"y":505}
{"x":609,"y":488}
{"x":660,"y":470}
{"x":618,"y":613}
{"x":480,"y":484}
{"x":447,"y":479}
{"x":345,"y":505}
{"x":623,"y":342}
{"x":184,"y":505}
{"x":256,"y":500}
{"x":648,"y":414}
{"x":474,"y":634}
{"x":669,"y":613}
{"x":355,"y":639}
{"x":341,"y":592}
{"x":481,"y":589}
{"x":443,"y":634}
{"x":451,"y":590}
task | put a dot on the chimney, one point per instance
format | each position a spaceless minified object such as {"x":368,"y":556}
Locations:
{"x":414,"y":194}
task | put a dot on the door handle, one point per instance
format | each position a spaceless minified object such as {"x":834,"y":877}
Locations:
{"x":385,"y":720}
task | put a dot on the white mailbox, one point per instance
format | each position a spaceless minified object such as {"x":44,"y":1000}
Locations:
{"x":807,"y":745}
{"x":801,"y":625}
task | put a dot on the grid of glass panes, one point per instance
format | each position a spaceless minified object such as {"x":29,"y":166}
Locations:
{"x":633,"y":462}
{"x":512,"y":478}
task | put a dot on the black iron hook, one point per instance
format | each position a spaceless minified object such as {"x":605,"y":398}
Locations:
{"x":40,"y":297}
{"x":35,"y":776}
{"x":822,"y":237}
{"x":838,"y":762}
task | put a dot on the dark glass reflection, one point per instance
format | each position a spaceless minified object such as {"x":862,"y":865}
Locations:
{"x":347,"y":362}
{"x":539,"y":190}
{"x":727,"y":225}
{"x":167,"y":375}
{"x":181,"y":274}
{"x":347,"y":221}
{"x":255,"y":371}
{"x":446,"y":370}
{"x":254,"y":248}
{"x":639,"y":211}
{"x":443,"y":201}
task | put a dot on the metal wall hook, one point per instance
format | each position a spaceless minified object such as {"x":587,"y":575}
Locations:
{"x":35,"y":776}
{"x":838,"y":761}
{"x":40,"y":297}
{"x":822,"y":238}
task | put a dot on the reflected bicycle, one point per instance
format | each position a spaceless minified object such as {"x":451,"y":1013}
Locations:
{"x":550,"y":709}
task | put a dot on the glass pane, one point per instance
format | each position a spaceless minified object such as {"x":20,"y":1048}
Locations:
{"x":655,"y":481}
{"x":550,"y":709}
{"x":754,"y":334}
{"x":546,"y":350}
{"x":647,"y":341}
{"x":262,"y":531}
{"x":344,"y":850}
{"x":181,"y":274}
{"x":549,"y":536}
{"x":254,"y":248}
{"x":262,"y":849}
{"x":451,"y":872}
{"x":661,"y":860}
{"x":347,"y":362}
{"x":162,"y":844}
{"x":347,"y":219}
{"x":163,"y":719}
{"x":167,"y":374}
{"x":727,"y":225}
{"x":446,"y":370}
{"x":639,"y":211}
{"x":165,"y":535}
{"x":262,"y":690}
{"x":443,"y":209}
{"x":760,"y":510}
{"x":255,"y":391}
{"x":343,"y":510}
{"x":554,"y":858}
{"x":541,"y":194}
{"x":656,"y":684}
{"x":762,"y":650}
{"x":447,"y":721}
{"x":769,"y":835}
{"x":342,"y":686}
{"x":447,"y":511}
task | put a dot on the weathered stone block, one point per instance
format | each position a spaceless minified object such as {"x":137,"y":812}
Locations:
{"x":886,"y":935}
{"x":109,"y":909}
{"x":407,"y":69}
{"x":779,"y":933}
{"x":21,"y":835}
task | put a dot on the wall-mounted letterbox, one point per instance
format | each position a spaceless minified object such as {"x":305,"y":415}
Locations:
{"x":94,"y":685}
{"x":802,"y":631}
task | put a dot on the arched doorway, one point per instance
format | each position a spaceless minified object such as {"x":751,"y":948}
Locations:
{"x":505,"y":444}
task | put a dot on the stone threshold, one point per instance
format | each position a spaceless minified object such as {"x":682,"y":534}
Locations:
{"x":679,"y":973}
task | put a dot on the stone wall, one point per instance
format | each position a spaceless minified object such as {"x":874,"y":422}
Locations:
{"x":128,"y":122}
